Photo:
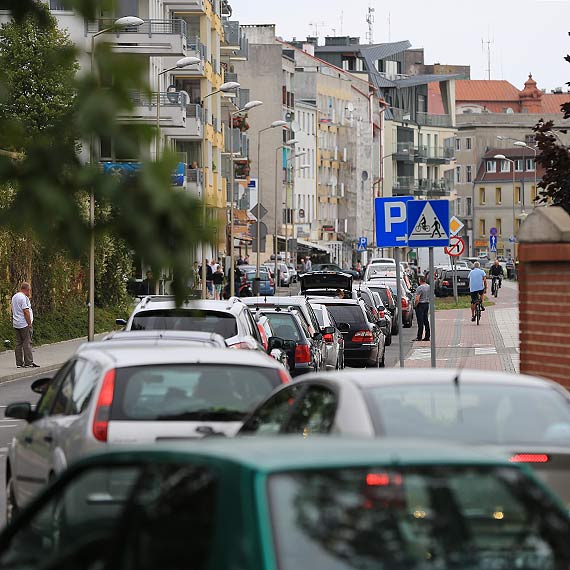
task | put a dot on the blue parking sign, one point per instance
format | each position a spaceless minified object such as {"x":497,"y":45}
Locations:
{"x":391,"y":221}
{"x":362,"y":244}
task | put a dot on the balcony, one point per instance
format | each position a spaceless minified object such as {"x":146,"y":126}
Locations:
{"x":427,"y":120}
{"x":404,"y":151}
{"x":194,"y":48}
{"x":192,"y":6}
{"x":194,"y":127}
{"x":172,"y":110}
{"x":194,"y":184}
{"x":432,"y":154}
{"x":410,"y":186}
{"x":153,"y":38}
{"x":404,"y":186}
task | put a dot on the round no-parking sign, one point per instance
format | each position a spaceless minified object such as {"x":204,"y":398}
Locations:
{"x":456,"y":246}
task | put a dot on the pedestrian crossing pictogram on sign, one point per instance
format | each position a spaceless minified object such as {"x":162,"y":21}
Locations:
{"x":428,"y":223}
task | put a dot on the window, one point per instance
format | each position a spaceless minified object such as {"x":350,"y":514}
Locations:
{"x":481,"y":196}
{"x":529,"y":140}
{"x":482,"y":227}
{"x":468,"y":174}
{"x":57,"y":5}
{"x":505,"y":166}
{"x":77,"y":388}
{"x":457,"y":144}
{"x":468,"y":143}
{"x":498,"y":196}
{"x":517,"y":194}
{"x":499,"y":226}
{"x":491,"y":166}
{"x":518,"y":165}
{"x":530,"y":164}
{"x":315,"y":412}
{"x":468,"y":205}
{"x":458,"y":174}
{"x":46,"y":401}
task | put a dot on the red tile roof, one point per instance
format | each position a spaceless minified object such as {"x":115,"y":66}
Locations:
{"x":485,"y":90}
{"x":551,"y":102}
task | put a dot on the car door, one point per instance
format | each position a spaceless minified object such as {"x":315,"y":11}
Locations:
{"x":314,"y":413}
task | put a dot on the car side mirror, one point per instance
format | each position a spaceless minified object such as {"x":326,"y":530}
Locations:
{"x":121,"y":322}
{"x":41,"y":385}
{"x":328,"y":330}
{"x":344,"y":327}
{"x":274,"y":342}
{"x":19,"y":411}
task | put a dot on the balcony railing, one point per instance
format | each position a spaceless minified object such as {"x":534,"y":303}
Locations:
{"x":194,"y":112}
{"x":174,"y":99}
{"x":408,"y":185}
{"x":194,"y":44}
{"x":149,"y":28}
{"x":427,"y":120}
{"x":437,"y":153}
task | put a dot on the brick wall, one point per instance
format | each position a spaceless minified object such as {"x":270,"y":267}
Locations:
{"x":544,"y":306}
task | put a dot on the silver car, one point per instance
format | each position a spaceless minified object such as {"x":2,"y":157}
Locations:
{"x":332,"y":337}
{"x":132,"y":393}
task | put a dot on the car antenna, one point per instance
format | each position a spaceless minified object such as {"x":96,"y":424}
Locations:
{"x":457,"y":387}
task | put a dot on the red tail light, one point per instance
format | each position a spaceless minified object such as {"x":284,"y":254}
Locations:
{"x":382,"y":314}
{"x":328,"y":338}
{"x":363,"y":336}
{"x":383,"y":479}
{"x":103,"y":409}
{"x":529,"y":458}
{"x":445,"y":283}
{"x":302,"y":354}
{"x":284,"y":377}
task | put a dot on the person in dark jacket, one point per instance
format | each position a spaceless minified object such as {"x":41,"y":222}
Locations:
{"x":218,"y":281}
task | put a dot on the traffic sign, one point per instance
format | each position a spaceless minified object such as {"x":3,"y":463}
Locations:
{"x":428,"y":223}
{"x":493,"y":243}
{"x":456,"y":246}
{"x":256,"y":208}
{"x":362,"y":244}
{"x":455,"y":225}
{"x":391,"y":224}
{"x":493,"y":232}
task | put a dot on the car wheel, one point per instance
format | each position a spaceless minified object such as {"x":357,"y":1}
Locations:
{"x":11,"y":505}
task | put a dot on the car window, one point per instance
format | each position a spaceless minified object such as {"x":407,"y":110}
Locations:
{"x":46,"y":401}
{"x":351,"y":314}
{"x":270,"y":417}
{"x":314,"y":322}
{"x":63,"y":403}
{"x":253,"y":330}
{"x":285,"y":326}
{"x":315,"y":412}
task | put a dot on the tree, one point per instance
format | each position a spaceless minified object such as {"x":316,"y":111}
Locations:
{"x":554,"y":156}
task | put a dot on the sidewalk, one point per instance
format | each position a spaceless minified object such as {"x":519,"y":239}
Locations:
{"x":49,"y":356}
{"x":493,"y":345}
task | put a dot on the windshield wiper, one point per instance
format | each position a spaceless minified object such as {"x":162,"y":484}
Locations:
{"x":220,"y":414}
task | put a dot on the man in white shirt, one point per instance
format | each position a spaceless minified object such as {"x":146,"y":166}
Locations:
{"x":22,"y":319}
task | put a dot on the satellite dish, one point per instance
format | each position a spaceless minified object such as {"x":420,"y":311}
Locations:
{"x":364,"y":176}
{"x":295,"y":126}
{"x":349,"y":107}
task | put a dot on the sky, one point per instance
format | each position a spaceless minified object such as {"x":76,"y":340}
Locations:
{"x":528,"y":36}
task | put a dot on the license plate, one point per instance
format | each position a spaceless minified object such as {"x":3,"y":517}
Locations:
{"x":462,"y":282}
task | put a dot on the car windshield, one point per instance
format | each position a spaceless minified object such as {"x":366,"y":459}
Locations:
{"x":381,"y":269}
{"x":351,"y":314}
{"x":416,"y":518}
{"x":284,"y":326}
{"x":486,"y":413}
{"x":251,"y":275}
{"x":192,"y":392}
{"x":186,"y":320}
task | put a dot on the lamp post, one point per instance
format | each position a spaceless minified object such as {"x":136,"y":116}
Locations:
{"x":224,"y":88}
{"x":512,"y":162}
{"x":290,"y":143}
{"x":248,"y":106}
{"x":121,"y":23}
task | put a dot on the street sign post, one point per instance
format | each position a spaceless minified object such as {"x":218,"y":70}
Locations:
{"x":455,"y":225}
{"x":428,"y":223}
{"x":362,"y":244}
{"x":391,"y":224}
{"x":456,"y":246}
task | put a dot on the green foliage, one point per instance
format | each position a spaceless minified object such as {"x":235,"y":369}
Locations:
{"x":50,"y":183}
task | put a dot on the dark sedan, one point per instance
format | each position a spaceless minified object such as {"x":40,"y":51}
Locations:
{"x":444,"y":286}
{"x":336,"y":268}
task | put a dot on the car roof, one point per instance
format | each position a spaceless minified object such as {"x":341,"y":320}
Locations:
{"x":262,"y":300}
{"x":412,"y":376}
{"x":122,"y":354}
{"x":334,"y":301}
{"x":290,"y":453}
{"x":164,"y":337}
{"x":153,"y":302}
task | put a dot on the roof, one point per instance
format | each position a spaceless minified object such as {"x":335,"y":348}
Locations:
{"x":551,"y":102}
{"x":415,"y":80}
{"x":382,"y":51}
{"x":485,"y":90}
{"x":269,"y":454}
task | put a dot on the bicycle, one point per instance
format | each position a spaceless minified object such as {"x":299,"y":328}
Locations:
{"x":423,"y":227}
{"x":478,"y":310}
{"x":495,"y":286}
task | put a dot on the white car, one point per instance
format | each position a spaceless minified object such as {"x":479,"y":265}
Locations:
{"x":131,"y":393}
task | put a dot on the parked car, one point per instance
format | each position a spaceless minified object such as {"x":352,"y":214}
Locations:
{"x":114,"y":393}
{"x":305,"y":351}
{"x":364,"y":342}
{"x":407,"y":296}
{"x":335,"y":268}
{"x":374,"y":303}
{"x":391,"y":504}
{"x":293,"y":275}
{"x":327,"y":284}
{"x":274,"y":346}
{"x":444,"y":283}
{"x":231,"y":319}
{"x":266,"y":283}
{"x":332,"y":337}
{"x":526,"y":419}
{"x":170,"y":337}
{"x":389,"y":301}
{"x":284,"y":277}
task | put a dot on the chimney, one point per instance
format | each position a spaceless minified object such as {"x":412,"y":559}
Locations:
{"x":530,"y":97}
{"x":309,"y":48}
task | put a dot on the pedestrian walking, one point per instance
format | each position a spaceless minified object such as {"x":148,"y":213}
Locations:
{"x":209,"y":283}
{"x":218,"y":280}
{"x":22,"y":321}
{"x":308,"y":264}
{"x":422,"y":309}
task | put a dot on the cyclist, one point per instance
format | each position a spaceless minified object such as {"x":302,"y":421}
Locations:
{"x":496,"y":272}
{"x":477,"y":287}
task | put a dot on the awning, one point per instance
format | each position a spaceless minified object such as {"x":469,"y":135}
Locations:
{"x":311,"y":245}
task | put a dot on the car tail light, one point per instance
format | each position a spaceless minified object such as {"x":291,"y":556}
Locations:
{"x":241,"y":346}
{"x":328,"y":338}
{"x":381,"y":314}
{"x":404,"y":303}
{"x":445,"y":283}
{"x":103,"y":408}
{"x":363,"y":336}
{"x":529,"y":458}
{"x":302,"y":354}
{"x":383,"y":479}
{"x":284,"y":377}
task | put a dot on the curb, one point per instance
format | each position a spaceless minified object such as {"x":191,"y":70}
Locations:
{"x":27,"y":374}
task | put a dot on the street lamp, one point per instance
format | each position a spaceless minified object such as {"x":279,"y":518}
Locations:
{"x":290,"y":143}
{"x":224,"y":88}
{"x":512,"y":162}
{"x":247,"y":107}
{"x":273,"y":125}
{"x":121,"y":23}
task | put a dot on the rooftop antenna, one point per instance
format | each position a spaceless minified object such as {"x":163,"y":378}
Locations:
{"x":389,"y":27}
{"x":370,"y":22}
{"x":315,"y":26}
{"x":487,"y":43}
{"x":341,"y":21}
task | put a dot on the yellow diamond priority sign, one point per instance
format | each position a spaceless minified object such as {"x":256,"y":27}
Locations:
{"x":455,"y":225}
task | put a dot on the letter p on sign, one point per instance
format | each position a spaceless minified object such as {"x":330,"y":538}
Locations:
{"x":394,"y":213}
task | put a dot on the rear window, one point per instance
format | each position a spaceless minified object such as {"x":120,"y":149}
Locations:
{"x":383,"y":292}
{"x":186,"y":320}
{"x":444,"y":517}
{"x":263,"y":276}
{"x":190,"y":392}
{"x":351,"y":314}
{"x":285,"y":326}
{"x":461,"y":274}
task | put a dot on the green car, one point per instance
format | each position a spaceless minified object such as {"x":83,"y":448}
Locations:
{"x":290,"y":504}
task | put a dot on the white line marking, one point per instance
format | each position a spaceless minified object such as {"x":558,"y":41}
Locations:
{"x":485,"y":351}
{"x":9,"y":425}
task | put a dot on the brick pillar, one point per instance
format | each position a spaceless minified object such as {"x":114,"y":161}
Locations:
{"x":544,"y":294}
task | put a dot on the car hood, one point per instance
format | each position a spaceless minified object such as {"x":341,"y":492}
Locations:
{"x":325,"y":280}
